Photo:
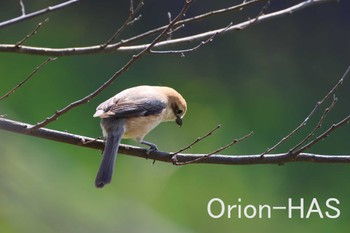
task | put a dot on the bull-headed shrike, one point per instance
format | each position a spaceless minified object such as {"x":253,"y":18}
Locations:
{"x":132,"y":114}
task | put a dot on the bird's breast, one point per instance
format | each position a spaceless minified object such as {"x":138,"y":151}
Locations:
{"x":138,"y":127}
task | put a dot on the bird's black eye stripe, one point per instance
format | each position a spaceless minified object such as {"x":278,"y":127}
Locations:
{"x":176,"y":110}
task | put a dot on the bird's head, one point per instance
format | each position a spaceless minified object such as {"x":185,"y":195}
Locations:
{"x":179,"y":108}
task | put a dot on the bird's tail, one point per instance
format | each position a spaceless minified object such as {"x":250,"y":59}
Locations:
{"x":113,"y":138}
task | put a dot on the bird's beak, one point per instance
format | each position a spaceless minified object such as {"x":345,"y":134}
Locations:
{"x":178,"y":121}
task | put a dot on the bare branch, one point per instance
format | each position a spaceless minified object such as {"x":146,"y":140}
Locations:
{"x":183,"y":51}
{"x":22,"y":128}
{"x":210,"y":39}
{"x":37,"y":13}
{"x":324,"y":135}
{"x":36,"y":29}
{"x":319,"y":124}
{"x":23,"y":9}
{"x":116,"y":75}
{"x":78,"y":140}
{"x":131,"y":9}
{"x":262,"y":12}
{"x":129,"y":21}
{"x":331,"y":92}
{"x":197,"y":140}
{"x":26,"y":79}
{"x":170,"y":33}
{"x":235,"y":141}
{"x":195,"y":19}
{"x":236,"y":27}
{"x":244,"y":1}
{"x":121,"y":46}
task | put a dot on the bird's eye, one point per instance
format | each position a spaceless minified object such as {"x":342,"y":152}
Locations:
{"x":179,"y":112}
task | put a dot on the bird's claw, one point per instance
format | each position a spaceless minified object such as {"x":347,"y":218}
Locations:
{"x":151,"y":149}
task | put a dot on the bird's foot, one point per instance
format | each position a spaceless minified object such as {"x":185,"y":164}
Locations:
{"x":152,"y":147}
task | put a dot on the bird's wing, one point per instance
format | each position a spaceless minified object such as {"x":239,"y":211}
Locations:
{"x":142,"y":107}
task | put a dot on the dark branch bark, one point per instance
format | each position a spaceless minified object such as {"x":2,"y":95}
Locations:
{"x":88,"y":142}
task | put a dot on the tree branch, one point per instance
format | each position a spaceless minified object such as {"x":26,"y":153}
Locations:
{"x":129,"y":21}
{"x":88,"y":142}
{"x":35,"y":31}
{"x":303,"y":124}
{"x":235,"y":141}
{"x":133,"y":59}
{"x":208,"y":40}
{"x":197,"y":140}
{"x":223,"y":31}
{"x":324,"y":135}
{"x":23,"y":9}
{"x":122,"y":45}
{"x":318,"y":126}
{"x":26,"y":79}
{"x":183,"y":51}
{"x":36,"y":13}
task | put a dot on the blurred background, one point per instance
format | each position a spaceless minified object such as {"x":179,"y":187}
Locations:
{"x":265,"y":79}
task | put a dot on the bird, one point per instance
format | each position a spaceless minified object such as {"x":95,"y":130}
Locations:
{"x":132,"y":114}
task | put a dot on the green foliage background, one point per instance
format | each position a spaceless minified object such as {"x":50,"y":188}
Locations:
{"x":265,"y":79}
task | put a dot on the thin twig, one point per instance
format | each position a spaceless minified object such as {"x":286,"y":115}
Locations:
{"x":176,"y":29}
{"x":170,"y":33}
{"x":193,"y":19}
{"x":23,"y":9}
{"x":133,"y":59}
{"x":193,"y":143}
{"x":183,"y":51}
{"x":244,"y":1}
{"x":261,"y":13}
{"x":211,"y":38}
{"x":235,"y":141}
{"x":318,"y":126}
{"x":36,"y":29}
{"x":197,"y":140}
{"x":38,"y":13}
{"x":28,"y":78}
{"x":131,"y":9}
{"x":324,"y":134}
{"x":331,"y":92}
{"x":134,"y":20}
{"x":128,"y":22}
